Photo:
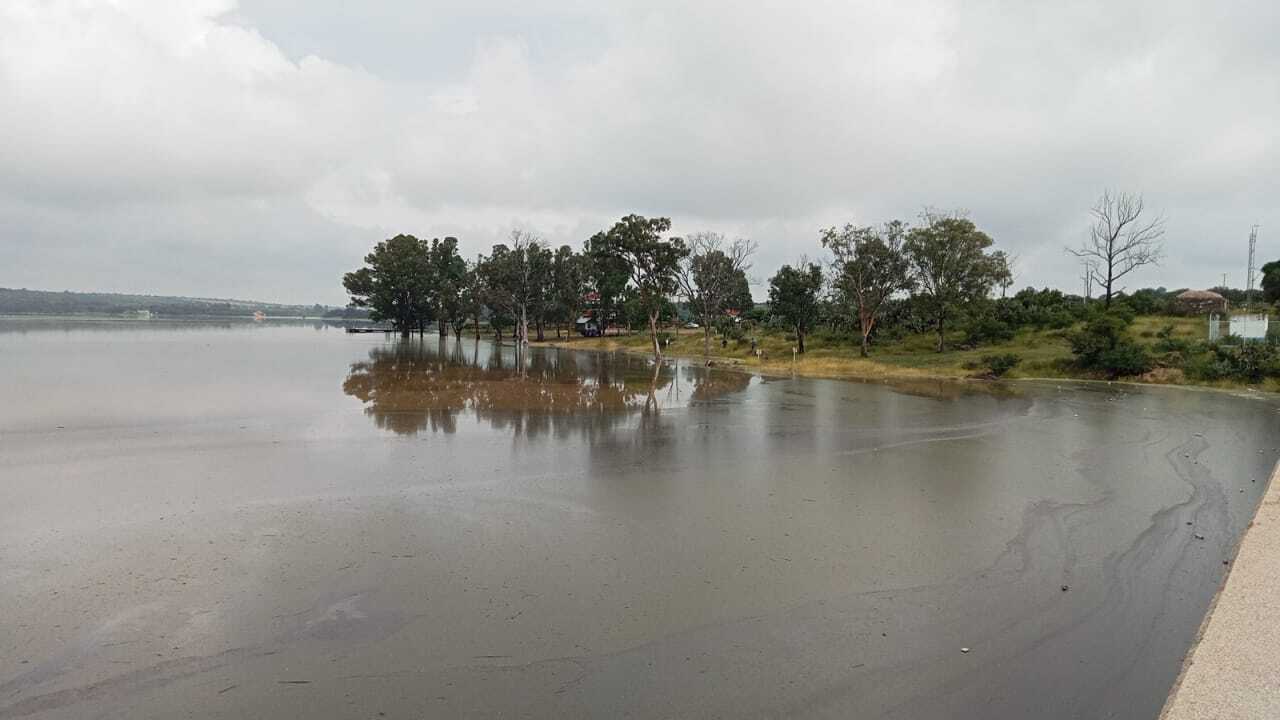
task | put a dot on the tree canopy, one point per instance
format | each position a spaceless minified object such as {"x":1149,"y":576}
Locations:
{"x":653,"y":263}
{"x":395,"y":283}
{"x":793,"y":296}
{"x":949,"y":257}
{"x":869,"y":268}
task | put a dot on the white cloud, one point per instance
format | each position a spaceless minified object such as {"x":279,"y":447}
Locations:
{"x":211,"y":135}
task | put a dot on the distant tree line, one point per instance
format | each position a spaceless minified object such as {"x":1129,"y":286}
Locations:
{"x":44,"y":302}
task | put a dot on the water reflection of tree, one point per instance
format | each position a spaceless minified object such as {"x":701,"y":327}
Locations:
{"x":413,"y":385}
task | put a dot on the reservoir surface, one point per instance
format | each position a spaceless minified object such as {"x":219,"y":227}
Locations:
{"x":285,"y":520}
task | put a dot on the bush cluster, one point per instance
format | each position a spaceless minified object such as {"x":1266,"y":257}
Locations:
{"x":1105,"y":345}
{"x":1001,"y":364}
{"x":1249,"y":362}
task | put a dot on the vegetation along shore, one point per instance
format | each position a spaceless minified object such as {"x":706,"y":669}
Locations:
{"x":934,"y":299}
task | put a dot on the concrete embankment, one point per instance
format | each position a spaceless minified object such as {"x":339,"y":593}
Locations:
{"x":1234,"y":670}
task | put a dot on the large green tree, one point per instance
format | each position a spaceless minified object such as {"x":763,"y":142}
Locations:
{"x":568,"y":285}
{"x":712,"y":278}
{"x":395,"y":284}
{"x":607,"y":278}
{"x":448,"y":278}
{"x":794,"y":296}
{"x":653,"y":262}
{"x":950,"y":259}
{"x":1271,"y":281}
{"x":869,"y":268}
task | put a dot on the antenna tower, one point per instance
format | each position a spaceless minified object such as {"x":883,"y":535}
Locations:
{"x":1253,"y":246}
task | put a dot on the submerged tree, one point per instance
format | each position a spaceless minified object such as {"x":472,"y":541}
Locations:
{"x":1120,"y":240}
{"x":869,"y":268}
{"x":513,"y":277}
{"x":653,"y":262}
{"x":952,"y":266}
{"x":794,"y":297}
{"x":568,"y":285}
{"x":713,"y":277}
{"x":448,"y":278}
{"x":395,"y":284}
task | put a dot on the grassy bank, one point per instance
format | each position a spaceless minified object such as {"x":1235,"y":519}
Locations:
{"x":1043,"y":353}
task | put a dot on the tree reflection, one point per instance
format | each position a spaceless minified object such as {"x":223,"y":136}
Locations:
{"x":414,"y":385}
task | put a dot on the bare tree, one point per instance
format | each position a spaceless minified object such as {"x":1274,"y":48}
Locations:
{"x":1121,"y":240}
{"x":712,"y":278}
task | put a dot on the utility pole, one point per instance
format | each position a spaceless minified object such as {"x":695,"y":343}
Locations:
{"x":1087,"y":277}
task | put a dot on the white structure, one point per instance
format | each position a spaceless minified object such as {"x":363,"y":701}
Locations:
{"x":1249,"y":327}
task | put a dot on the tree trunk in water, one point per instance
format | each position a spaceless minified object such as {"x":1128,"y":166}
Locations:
{"x":524,"y":327}
{"x":477,"y":320}
{"x":404,"y":332}
{"x":541,"y":326}
{"x":653,"y":333}
{"x":442,"y":327}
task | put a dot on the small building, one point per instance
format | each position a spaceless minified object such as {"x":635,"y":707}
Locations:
{"x":1200,"y":302}
{"x":587,"y":326}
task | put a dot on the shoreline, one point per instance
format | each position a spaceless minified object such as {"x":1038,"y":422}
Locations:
{"x":847,"y":369}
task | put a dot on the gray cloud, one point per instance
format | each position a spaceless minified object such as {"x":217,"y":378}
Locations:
{"x":258,"y":150}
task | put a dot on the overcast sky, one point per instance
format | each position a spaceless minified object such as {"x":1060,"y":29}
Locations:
{"x":259,"y":149}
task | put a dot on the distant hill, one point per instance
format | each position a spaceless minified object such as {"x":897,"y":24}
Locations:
{"x":44,"y":302}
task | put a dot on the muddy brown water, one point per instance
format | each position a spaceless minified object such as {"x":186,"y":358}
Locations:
{"x":248,"y":520}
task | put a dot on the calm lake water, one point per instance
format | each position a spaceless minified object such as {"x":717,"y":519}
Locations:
{"x":258,"y":520}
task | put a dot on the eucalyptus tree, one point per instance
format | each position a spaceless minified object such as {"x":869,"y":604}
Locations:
{"x":474,"y":293}
{"x":395,"y":284}
{"x":713,"y":277}
{"x":952,"y":266}
{"x":514,"y":275}
{"x":568,"y":285}
{"x":447,"y":275}
{"x":1120,"y":240}
{"x":653,"y":262}
{"x":794,"y":296}
{"x":607,"y":275}
{"x":869,"y":267}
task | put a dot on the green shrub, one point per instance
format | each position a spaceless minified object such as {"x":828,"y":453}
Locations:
{"x":1104,"y":345}
{"x":1126,"y":358}
{"x":1249,"y":362}
{"x":986,"y":330}
{"x":1167,"y":343}
{"x":1001,"y":364}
